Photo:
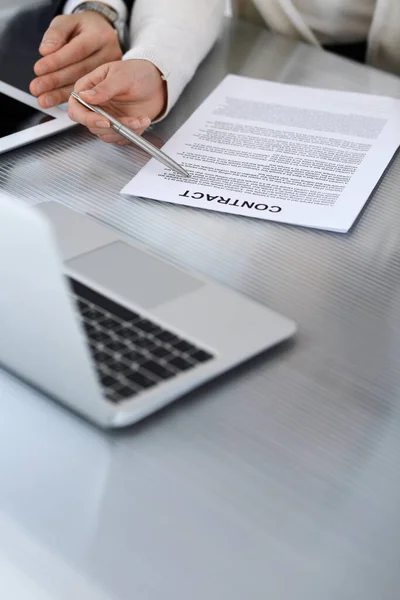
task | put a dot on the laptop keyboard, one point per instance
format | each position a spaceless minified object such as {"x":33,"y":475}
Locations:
{"x":131,"y":353}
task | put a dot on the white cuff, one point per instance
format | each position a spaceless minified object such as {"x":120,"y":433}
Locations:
{"x":175,"y":81}
{"x":118,"y":5}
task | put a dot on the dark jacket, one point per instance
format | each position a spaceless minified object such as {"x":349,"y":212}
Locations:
{"x":21,"y":38}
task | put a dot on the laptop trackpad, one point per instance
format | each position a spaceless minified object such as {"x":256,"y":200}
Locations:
{"x":134,"y":275}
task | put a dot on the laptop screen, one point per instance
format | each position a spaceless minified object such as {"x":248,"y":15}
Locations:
{"x":16,"y":116}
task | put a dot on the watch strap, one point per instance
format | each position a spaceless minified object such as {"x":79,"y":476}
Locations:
{"x":109,"y":13}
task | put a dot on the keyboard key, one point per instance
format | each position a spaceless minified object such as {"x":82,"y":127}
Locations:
{"x":156,"y":369}
{"x":133,"y":356}
{"x":180,"y":364}
{"x":183,"y":346}
{"x":166,"y":337}
{"x":144,"y":344}
{"x":160,"y":352}
{"x":133,"y":332}
{"x":133,"y":317}
{"x":140,"y":379}
{"x":88,"y":322}
{"x":117,"y":345}
{"x":127,"y":329}
{"x":148,"y":326}
{"x":108,"y":381}
{"x":82,"y":305}
{"x":100,"y":356}
{"x":127,"y":392}
{"x":90,"y":330}
{"x":84,"y":309}
{"x":200,"y":356}
{"x":99,"y":336}
{"x":89,"y":312}
{"x":95,"y":314}
{"x":111,"y":324}
{"x":117,"y":367}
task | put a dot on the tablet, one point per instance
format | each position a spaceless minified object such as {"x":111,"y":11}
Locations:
{"x":23,"y":121}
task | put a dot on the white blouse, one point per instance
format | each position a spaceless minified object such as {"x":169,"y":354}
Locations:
{"x":175,"y":35}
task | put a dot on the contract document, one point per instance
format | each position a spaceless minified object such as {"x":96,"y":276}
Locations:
{"x":278,"y":152}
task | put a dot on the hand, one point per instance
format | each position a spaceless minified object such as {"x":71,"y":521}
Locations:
{"x":131,"y":91}
{"x":73,"y":46}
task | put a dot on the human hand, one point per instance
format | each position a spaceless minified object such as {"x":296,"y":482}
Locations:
{"x":73,"y":46}
{"x":131,"y":91}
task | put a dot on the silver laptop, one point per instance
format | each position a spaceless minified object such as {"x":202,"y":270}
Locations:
{"x":108,"y":329}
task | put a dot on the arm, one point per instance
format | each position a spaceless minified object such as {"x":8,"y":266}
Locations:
{"x":169,"y":40}
{"x":175,"y":35}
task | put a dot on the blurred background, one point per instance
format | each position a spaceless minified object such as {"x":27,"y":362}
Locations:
{"x":11,"y":5}
{"x":7,"y":5}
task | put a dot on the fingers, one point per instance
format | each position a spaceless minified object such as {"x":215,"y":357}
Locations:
{"x":56,"y":97}
{"x":50,"y":83}
{"x":108,"y":82}
{"x":112,"y":137}
{"x":115,"y":138}
{"x":98,"y":124}
{"x":102,"y":85}
{"x":91,"y":80}
{"x":58,"y":34}
{"x":78,"y":49}
{"x":86,"y":117}
{"x":44,"y":87}
{"x":137,"y":124}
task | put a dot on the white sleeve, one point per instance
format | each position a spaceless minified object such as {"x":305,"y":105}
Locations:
{"x":118,"y":5}
{"x":175,"y":35}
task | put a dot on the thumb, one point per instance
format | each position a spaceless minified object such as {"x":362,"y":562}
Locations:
{"x":102,"y":85}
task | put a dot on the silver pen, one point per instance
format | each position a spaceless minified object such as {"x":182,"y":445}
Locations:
{"x":135,"y":138}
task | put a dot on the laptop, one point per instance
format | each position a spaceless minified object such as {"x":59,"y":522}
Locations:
{"x":106,"y":328}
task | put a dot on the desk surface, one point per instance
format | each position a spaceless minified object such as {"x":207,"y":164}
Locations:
{"x":278,"y":481}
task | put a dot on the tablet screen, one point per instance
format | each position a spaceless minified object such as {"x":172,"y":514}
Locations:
{"x":16,"y":116}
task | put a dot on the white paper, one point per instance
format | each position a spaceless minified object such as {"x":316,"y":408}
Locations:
{"x":278,"y":152}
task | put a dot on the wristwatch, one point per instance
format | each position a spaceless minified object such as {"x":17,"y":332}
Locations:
{"x":111,"y":15}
